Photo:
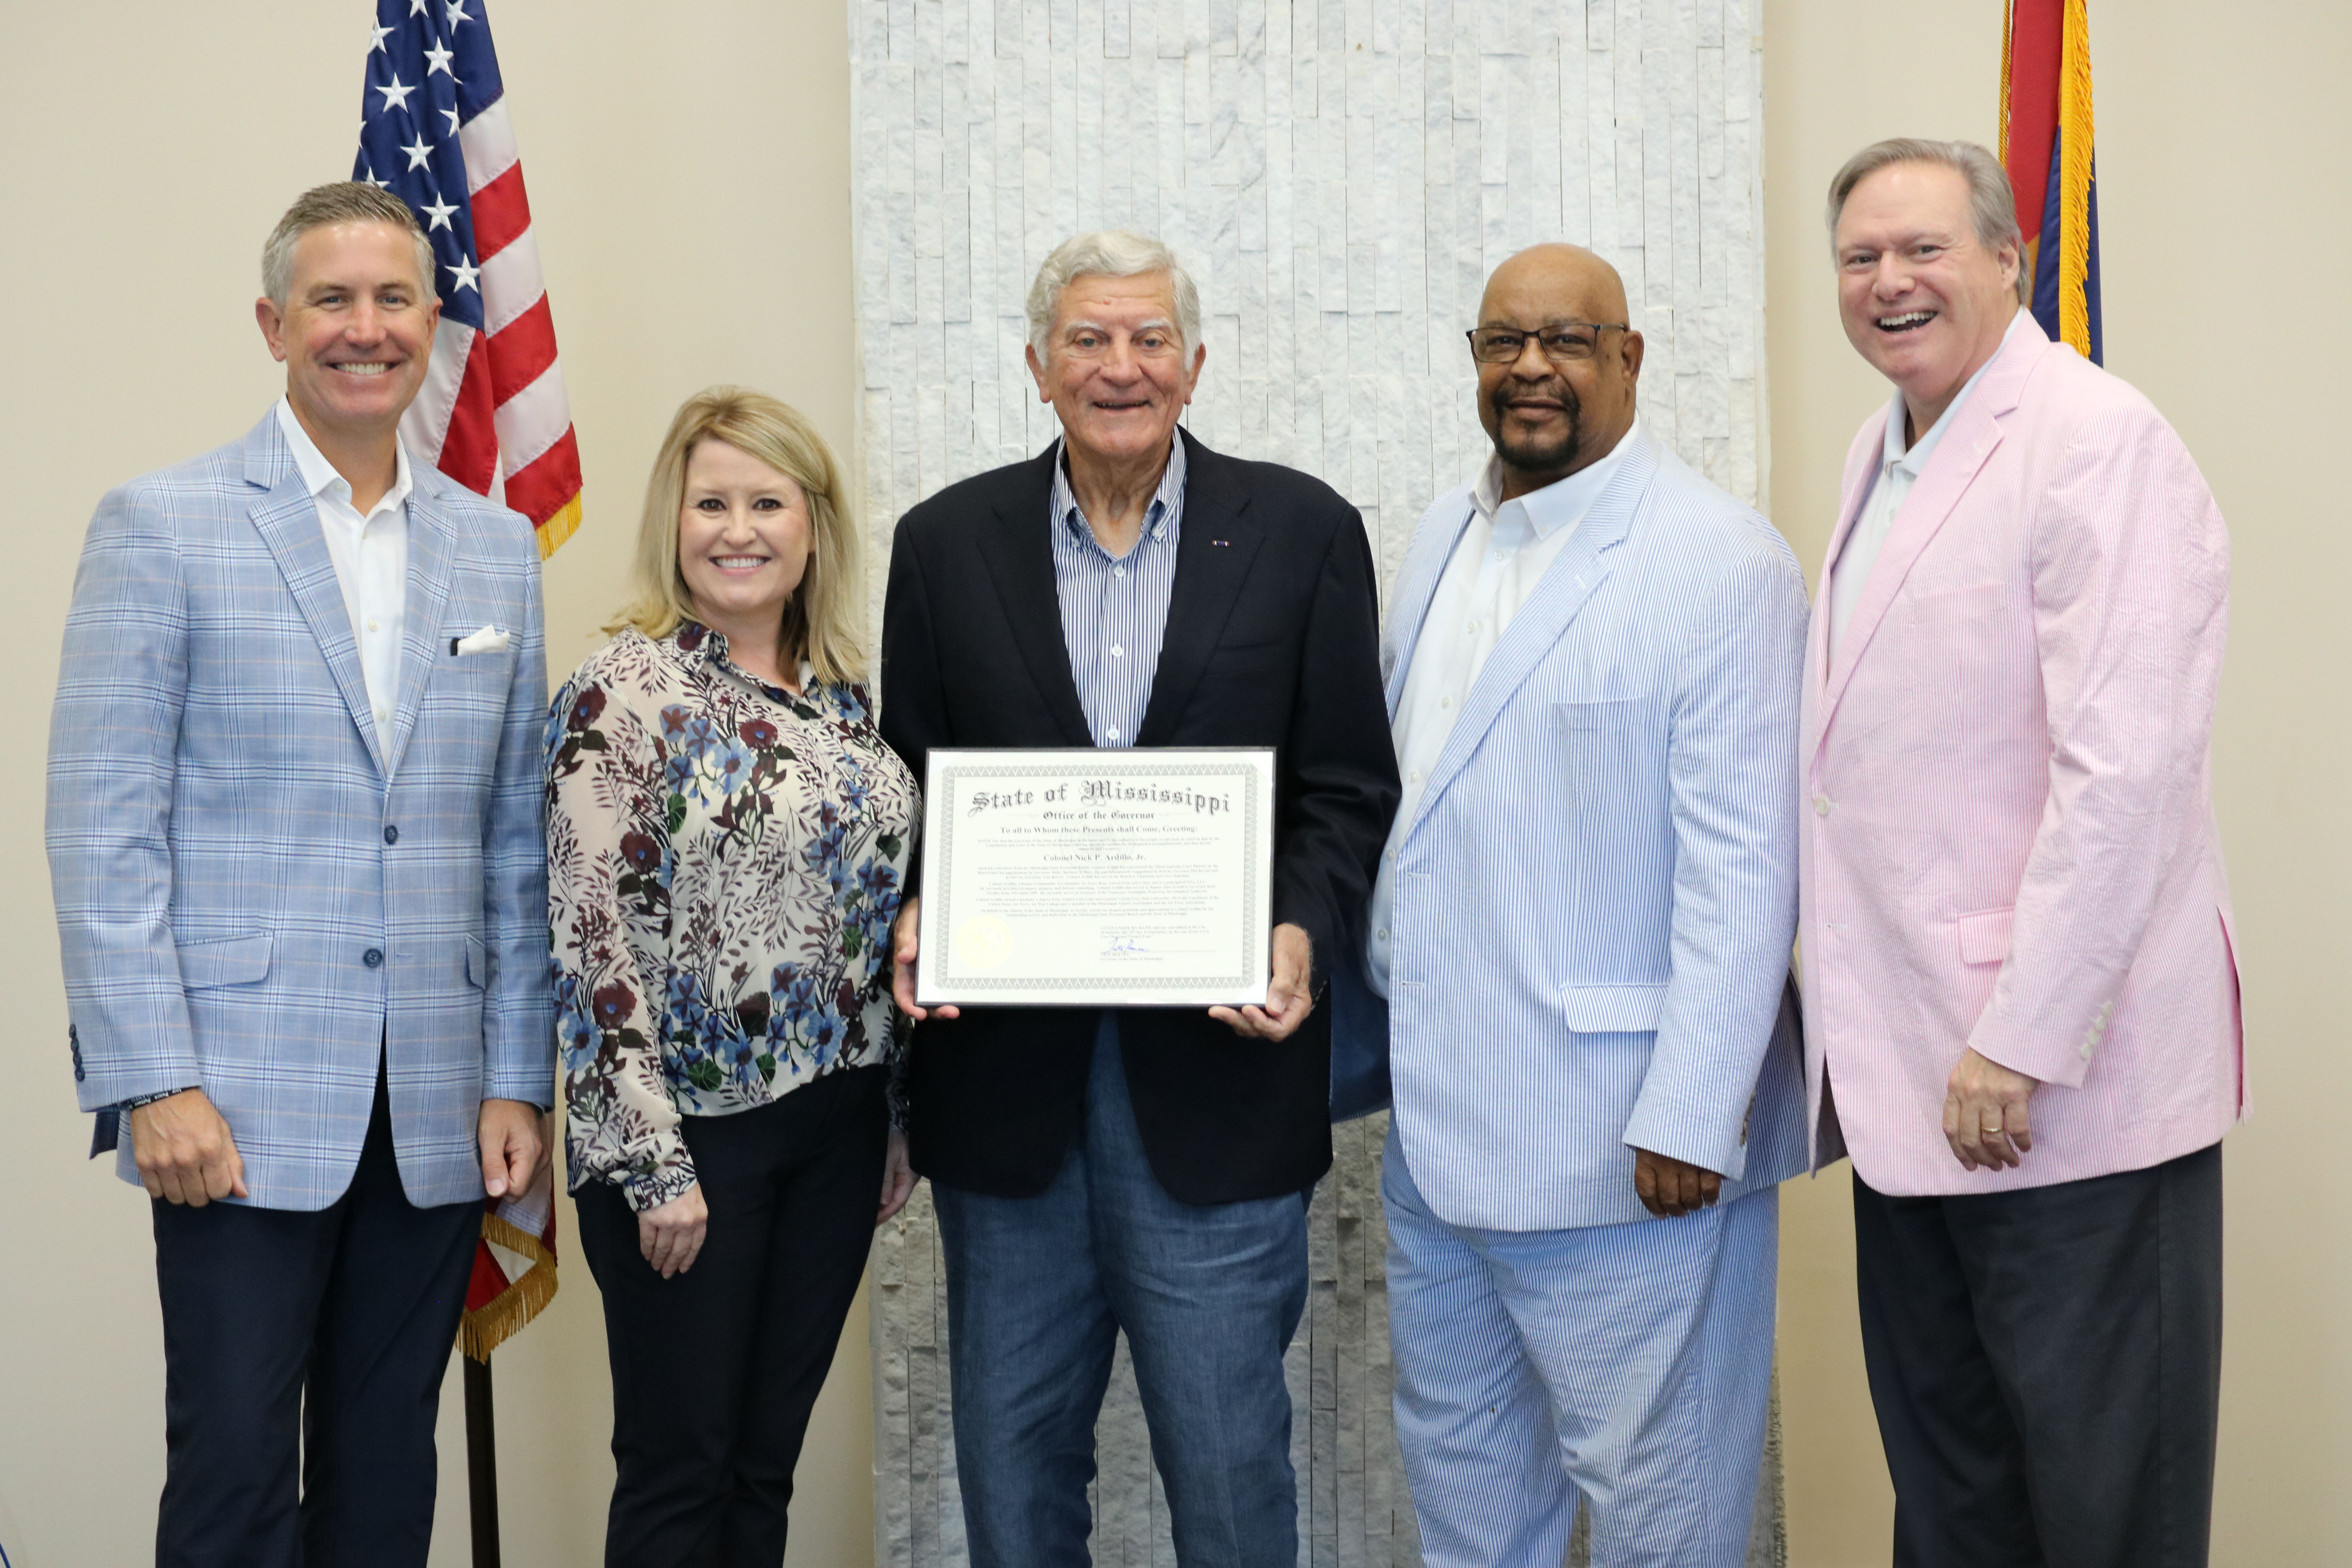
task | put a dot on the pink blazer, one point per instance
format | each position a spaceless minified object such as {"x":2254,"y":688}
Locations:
{"x":2009,"y":838}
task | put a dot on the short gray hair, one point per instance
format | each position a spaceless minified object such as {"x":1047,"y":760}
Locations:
{"x":345,"y":201}
{"x":1993,"y":201}
{"x":1109,"y":253}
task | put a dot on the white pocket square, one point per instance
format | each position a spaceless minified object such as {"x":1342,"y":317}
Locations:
{"x":490,"y":639}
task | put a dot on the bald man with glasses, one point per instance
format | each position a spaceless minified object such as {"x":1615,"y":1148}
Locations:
{"x":1577,"y":967}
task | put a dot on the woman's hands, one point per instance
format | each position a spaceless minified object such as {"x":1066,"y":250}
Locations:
{"x":670,"y":1235}
{"x":897,"y":1178}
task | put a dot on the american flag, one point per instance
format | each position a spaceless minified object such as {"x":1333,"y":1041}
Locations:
{"x":434,"y":130}
{"x":492,"y":414}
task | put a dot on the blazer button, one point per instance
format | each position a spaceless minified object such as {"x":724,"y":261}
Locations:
{"x":1821,"y":805}
{"x":372,"y":958}
{"x":392,"y":835}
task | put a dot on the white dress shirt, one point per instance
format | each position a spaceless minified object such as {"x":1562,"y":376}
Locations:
{"x":371,"y":556}
{"x":1898,"y":468}
{"x":1502,"y":555}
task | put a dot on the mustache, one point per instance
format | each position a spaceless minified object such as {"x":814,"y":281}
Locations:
{"x":1559,"y":391}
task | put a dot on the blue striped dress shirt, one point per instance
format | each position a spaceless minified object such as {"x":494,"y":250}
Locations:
{"x":1115,"y":607}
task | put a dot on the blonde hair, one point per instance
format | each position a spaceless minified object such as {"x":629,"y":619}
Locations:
{"x":820,"y":622}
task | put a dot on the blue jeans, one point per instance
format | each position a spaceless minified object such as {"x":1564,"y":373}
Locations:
{"x":1209,"y":1296}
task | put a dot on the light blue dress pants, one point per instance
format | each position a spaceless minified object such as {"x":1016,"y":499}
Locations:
{"x":1208,"y":1295}
{"x":1630,"y":1362}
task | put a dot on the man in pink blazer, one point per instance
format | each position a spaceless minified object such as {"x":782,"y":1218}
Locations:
{"x":2020,"y":1002}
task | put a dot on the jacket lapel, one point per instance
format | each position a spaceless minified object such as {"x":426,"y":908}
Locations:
{"x":1020,"y":563}
{"x":432,"y":542}
{"x":1574,"y":577}
{"x":1959,"y":457}
{"x":287,"y":518}
{"x":1215,"y":551}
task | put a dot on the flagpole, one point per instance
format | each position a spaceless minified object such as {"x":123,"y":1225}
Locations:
{"x":481,"y":1461}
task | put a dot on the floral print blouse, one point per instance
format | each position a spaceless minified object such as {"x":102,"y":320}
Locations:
{"x":724,"y":862}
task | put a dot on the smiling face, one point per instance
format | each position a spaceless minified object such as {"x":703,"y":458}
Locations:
{"x":356,"y":330}
{"x":1548,"y":419}
{"x":1116,"y":370}
{"x":743,"y":537}
{"x":1922,"y":298}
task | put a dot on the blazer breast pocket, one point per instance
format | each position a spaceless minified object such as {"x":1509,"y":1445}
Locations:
{"x":1956,"y":606}
{"x":1612,"y":788}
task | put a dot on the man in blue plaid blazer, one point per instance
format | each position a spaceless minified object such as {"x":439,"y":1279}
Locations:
{"x":294,"y":832}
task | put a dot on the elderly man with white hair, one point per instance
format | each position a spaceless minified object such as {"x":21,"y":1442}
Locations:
{"x":1136,"y":1169}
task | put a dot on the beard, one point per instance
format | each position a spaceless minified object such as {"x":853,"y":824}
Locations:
{"x":1535,"y":454}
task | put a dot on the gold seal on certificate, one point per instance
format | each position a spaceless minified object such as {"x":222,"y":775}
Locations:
{"x":1098,"y":878}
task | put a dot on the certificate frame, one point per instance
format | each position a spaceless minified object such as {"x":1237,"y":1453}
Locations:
{"x":1190,"y":829}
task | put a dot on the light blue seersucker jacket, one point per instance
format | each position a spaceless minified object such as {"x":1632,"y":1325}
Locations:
{"x":252,"y":896}
{"x":1589,"y":947}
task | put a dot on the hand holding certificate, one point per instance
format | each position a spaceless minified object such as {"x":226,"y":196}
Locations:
{"x":1104,"y":878}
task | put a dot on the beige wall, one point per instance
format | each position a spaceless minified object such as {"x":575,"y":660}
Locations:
{"x":689,"y":171}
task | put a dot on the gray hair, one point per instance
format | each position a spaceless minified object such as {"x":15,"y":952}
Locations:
{"x":1109,"y":253}
{"x":345,"y":201}
{"x":1993,"y":201}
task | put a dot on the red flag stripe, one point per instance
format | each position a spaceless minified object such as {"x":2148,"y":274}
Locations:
{"x":469,"y":452}
{"x":540,"y":490}
{"x":521,"y":351}
{"x":2036,"y":30}
{"x":502,"y":211}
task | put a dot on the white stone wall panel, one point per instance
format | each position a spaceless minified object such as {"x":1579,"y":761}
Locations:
{"x":1341,"y":175}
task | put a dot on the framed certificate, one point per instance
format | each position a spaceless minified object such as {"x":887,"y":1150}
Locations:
{"x":1096,"y":878}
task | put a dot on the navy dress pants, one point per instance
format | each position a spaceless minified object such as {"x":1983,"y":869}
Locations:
{"x":316,"y":1340}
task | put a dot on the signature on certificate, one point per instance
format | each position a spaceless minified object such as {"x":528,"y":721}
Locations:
{"x":1123,"y":947}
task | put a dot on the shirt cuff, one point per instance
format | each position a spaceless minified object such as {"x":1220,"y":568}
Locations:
{"x":657,"y":1187}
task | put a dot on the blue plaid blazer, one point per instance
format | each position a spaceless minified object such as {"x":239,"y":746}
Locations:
{"x":1596,"y":902}
{"x":254,"y":895}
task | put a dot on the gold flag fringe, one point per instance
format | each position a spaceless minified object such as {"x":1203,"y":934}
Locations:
{"x":480,"y":1333}
{"x":558,"y":528}
{"x":2074,"y":176}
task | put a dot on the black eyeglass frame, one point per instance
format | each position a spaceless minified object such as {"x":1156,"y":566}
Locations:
{"x":1598,"y":328}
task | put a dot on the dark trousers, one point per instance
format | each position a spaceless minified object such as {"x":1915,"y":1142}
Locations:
{"x":715,"y":1370}
{"x":341,"y":1321}
{"x":2046,"y":1363}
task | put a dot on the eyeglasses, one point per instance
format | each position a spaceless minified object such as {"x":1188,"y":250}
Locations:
{"x":1569,"y":343}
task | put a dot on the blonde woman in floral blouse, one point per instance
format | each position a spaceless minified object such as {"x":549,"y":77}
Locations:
{"x":727,"y":835}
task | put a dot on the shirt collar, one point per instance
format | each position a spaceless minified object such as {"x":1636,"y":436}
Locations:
{"x":1163,"y":500}
{"x":695,"y":642}
{"x":319,"y":476}
{"x":1913,"y":458}
{"x":1563,"y":501}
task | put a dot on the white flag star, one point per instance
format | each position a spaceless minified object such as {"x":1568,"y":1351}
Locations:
{"x":381,"y":34}
{"x":458,"y":12}
{"x":395,"y":93}
{"x":438,"y":211}
{"x":417,"y":7}
{"x":437,"y":60}
{"x":418,"y":153}
{"x":379,"y":185}
{"x":467,"y":272}
{"x":453,"y":120}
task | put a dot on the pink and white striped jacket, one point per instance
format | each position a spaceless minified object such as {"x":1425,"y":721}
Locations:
{"x":2009,"y":838}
